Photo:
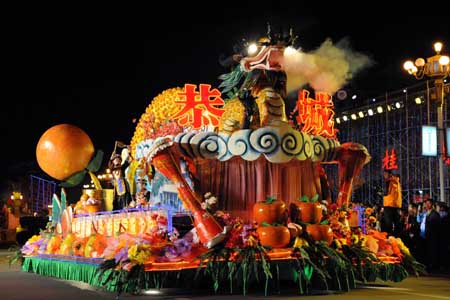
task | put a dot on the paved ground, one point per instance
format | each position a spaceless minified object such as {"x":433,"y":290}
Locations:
{"x":17,"y":285}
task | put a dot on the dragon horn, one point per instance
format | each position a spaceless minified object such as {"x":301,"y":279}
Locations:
{"x":269,"y":32}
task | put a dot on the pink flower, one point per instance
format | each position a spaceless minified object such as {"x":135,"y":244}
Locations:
{"x":127,"y":266}
{"x":333,"y":207}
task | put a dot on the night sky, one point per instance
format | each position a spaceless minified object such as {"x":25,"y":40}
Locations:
{"x":100,"y":72}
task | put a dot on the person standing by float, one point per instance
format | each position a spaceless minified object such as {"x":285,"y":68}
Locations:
{"x":118,"y":165}
{"x":392,"y":203}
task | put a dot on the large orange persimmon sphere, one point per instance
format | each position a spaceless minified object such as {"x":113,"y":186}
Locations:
{"x":64,"y":150}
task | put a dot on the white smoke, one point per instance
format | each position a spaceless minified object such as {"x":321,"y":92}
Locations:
{"x":326,"y":69}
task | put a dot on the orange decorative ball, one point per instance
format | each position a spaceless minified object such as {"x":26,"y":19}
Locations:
{"x":64,"y":150}
{"x":274,"y":236}
{"x":270,"y":211}
{"x":320,"y":232}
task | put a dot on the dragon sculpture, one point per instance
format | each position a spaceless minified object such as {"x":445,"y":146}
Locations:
{"x":257,"y":86}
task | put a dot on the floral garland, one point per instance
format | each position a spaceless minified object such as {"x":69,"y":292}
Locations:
{"x":241,"y":258}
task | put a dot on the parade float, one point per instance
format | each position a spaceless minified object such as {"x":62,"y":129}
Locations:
{"x":251,"y":177}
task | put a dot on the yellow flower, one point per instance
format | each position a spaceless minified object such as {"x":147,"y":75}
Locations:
{"x":139,"y":253}
{"x":363,"y":240}
{"x":355,"y":239}
{"x":300,"y":242}
{"x":342,"y":241}
{"x":252,"y":242}
{"x":34,"y":238}
{"x":402,"y":246}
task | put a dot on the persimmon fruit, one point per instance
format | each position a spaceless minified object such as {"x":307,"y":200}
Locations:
{"x":64,"y":150}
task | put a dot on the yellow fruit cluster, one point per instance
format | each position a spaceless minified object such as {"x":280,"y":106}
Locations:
{"x":157,"y":115}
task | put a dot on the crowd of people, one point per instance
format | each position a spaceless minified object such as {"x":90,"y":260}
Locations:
{"x":424,"y":227}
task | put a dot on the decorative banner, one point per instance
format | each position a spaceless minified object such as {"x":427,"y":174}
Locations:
{"x":429,"y":141}
{"x":390,"y":160}
{"x":199,"y":108}
{"x":316,"y":115}
{"x":135,"y":222}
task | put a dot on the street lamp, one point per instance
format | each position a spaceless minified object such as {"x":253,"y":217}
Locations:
{"x":438,"y":68}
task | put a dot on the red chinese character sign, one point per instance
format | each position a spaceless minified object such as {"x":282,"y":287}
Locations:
{"x":445,"y":157}
{"x":316,"y":115}
{"x":199,"y":108}
{"x":390,"y":160}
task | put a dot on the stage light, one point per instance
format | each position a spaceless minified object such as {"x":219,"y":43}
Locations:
{"x":354,"y":97}
{"x":408,"y":65}
{"x":370,"y":112}
{"x":345,"y":118}
{"x":361,"y":114}
{"x":338,"y":120}
{"x":437,"y":47}
{"x":379,"y":109}
{"x":444,"y":60}
{"x":418,"y":100}
{"x":252,"y":49}
{"x":420,"y":62}
{"x":289,"y":50}
{"x":153,"y":292}
{"x":398,"y":105}
{"x":353,"y":116}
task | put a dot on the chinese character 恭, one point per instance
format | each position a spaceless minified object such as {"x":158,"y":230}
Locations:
{"x":199,"y":108}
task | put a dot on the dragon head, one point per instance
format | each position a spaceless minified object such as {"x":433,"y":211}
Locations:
{"x":268,"y":53}
{"x":261,"y":67}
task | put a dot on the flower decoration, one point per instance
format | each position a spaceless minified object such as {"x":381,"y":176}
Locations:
{"x":180,"y":248}
{"x":156,"y":121}
{"x":54,"y":244}
{"x":35,"y":245}
{"x":139,"y":254}
{"x":209,"y":203}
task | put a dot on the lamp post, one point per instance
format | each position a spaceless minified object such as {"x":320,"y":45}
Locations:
{"x":438,"y":68}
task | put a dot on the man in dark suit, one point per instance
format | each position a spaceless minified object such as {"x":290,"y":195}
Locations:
{"x":444,"y":238}
{"x":432,"y":230}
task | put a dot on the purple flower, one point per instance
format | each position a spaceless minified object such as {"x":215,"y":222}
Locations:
{"x":38,"y":246}
{"x":246,"y":232}
{"x":183,"y":247}
{"x":171,"y":253}
{"x":121,"y":255}
{"x":28,"y":249}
